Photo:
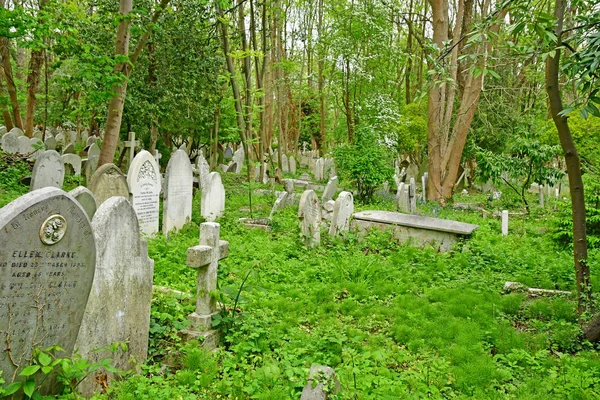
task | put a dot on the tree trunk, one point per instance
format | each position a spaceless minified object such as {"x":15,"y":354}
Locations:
{"x":10,"y":82}
{"x":582,"y":270}
{"x":33,"y":80}
{"x":5,"y":112}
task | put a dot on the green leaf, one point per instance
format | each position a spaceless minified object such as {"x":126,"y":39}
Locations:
{"x":30,"y":370}
{"x":45,"y":359}
{"x":12,"y":388}
{"x":47,"y":369}
{"x":29,"y":387}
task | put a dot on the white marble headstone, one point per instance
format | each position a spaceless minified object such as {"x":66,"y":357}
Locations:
{"x":144,"y":182}
{"x":48,"y":170}
{"x":342,"y":211}
{"x":213,"y":198}
{"x":177,"y":192}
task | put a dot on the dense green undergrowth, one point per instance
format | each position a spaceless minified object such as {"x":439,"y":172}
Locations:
{"x":394,"y":321}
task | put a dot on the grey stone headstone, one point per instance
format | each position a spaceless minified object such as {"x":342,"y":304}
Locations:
{"x":342,"y":211}
{"x":108,"y":181}
{"x":228,"y":153}
{"x":50,"y":143}
{"x":309,"y":212}
{"x":74,"y":161}
{"x":232,"y":167}
{"x":280,"y":203}
{"x":203,"y":169}
{"x":285,"y":165}
{"x":86,"y":199}
{"x":319,"y":170}
{"x":330,"y":189}
{"x":3,"y":130}
{"x":25,"y":145}
{"x":91,"y":164}
{"x":48,"y":171}
{"x":17,"y":131}
{"x":177,"y":192}
{"x":93,"y":151}
{"x":10,"y":143}
{"x":403,"y":198}
{"x":47,"y":262}
{"x":292,"y":165}
{"x":144,"y":183}
{"x":69,"y":149}
{"x":223,"y":167}
{"x":322,"y":382}
{"x":238,"y":158}
{"x":213,"y":198}
{"x":91,"y":140}
{"x":118,"y":308}
{"x":60,"y":139}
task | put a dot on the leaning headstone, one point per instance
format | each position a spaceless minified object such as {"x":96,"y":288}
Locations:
{"x":108,"y":181}
{"x":238,"y":158}
{"x":60,"y":139}
{"x":205,"y":258}
{"x":69,"y":149}
{"x":93,"y":151}
{"x":213,"y":198}
{"x":118,"y":308}
{"x":322,"y":382}
{"x":292,"y":162}
{"x":47,"y":262}
{"x":280,"y":203}
{"x":91,"y":140}
{"x":48,"y":170}
{"x":91,"y":164}
{"x":177,"y":192}
{"x":144,"y":182}
{"x":285,"y":165}
{"x":342,"y":211}
{"x":203,"y":169}
{"x":309,"y":212}
{"x":403,"y":198}
{"x":10,"y":143}
{"x":72,"y":161}
{"x":50,"y":143}
{"x":330,"y":189}
{"x":86,"y":199}
{"x":232,"y":167}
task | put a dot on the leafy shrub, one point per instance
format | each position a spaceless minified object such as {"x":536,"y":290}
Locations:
{"x":364,"y":163}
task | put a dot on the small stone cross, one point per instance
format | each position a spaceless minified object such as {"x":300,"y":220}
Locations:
{"x":157,"y":156}
{"x":205,"y":257}
{"x":132,"y":144}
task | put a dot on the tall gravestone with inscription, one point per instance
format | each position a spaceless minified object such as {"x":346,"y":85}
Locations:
{"x":47,"y":263}
{"x":177,"y":200}
{"x":144,"y":184}
{"x":118,"y":308}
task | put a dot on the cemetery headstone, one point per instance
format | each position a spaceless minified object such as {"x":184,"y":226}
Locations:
{"x":69,"y":149}
{"x":91,"y":164}
{"x":330,"y":189}
{"x":25,"y":145}
{"x":91,"y":140}
{"x":48,"y":171}
{"x":232,"y":167}
{"x":342,"y":211}
{"x":213,"y":198}
{"x":86,"y":199}
{"x":60,"y":139}
{"x":50,"y":143}
{"x":292,"y":162}
{"x":17,"y":131}
{"x":238,"y":158}
{"x":3,"y":130}
{"x":309,"y":212}
{"x":280,"y":203}
{"x":413,"y":195}
{"x":203,"y":169}
{"x":106,"y":182}
{"x":118,"y":308}
{"x":205,"y":258}
{"x":319,"y":169}
{"x":177,"y":192}
{"x":93,"y":151}
{"x":285,"y":166}
{"x":10,"y":143}
{"x":47,"y":261}
{"x":228,"y":153}
{"x":322,"y":383}
{"x":403,"y":198}
{"x":504,"y":222}
{"x":72,"y":161}
{"x":144,"y":182}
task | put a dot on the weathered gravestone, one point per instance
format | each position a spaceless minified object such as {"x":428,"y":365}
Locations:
{"x":50,"y":143}
{"x":94,"y":151}
{"x":48,"y":171}
{"x":322,"y":383}
{"x":118,"y":308}
{"x":72,"y":164}
{"x":228,"y":153}
{"x":86,"y":199}
{"x":403,"y":198}
{"x":203,"y":169}
{"x":91,"y":164}
{"x":69,"y":149}
{"x":280,"y":203}
{"x":330,"y":189}
{"x":3,"y":130}
{"x":47,"y":262}
{"x":17,"y":131}
{"x":25,"y":146}
{"x":205,"y":258}
{"x":213,"y":198}
{"x":108,"y":181}
{"x":319,"y":169}
{"x":309,"y":212}
{"x":10,"y":143}
{"x":292,"y":162}
{"x":285,"y":165}
{"x":342,"y":211}
{"x":177,"y":200}
{"x":144,"y":182}
{"x":238,"y":158}
{"x":232,"y":167}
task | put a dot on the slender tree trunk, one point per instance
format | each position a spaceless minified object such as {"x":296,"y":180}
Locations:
{"x":582,"y":270}
{"x":10,"y":83}
{"x":321,"y":79}
{"x":5,"y":112}
{"x":33,"y":80}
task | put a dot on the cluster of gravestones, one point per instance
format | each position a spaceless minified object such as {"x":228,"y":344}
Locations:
{"x":321,"y":167}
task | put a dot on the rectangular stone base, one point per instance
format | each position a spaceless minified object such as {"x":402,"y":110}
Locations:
{"x":209,"y":339}
{"x":201,"y":322}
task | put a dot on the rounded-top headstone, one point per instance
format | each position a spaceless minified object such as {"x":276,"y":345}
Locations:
{"x":48,"y":170}
{"x":108,"y":181}
{"x":17,"y":131}
{"x":144,"y":182}
{"x":213,"y":198}
{"x":177,"y":192}
{"x":10,"y":143}
{"x":86,"y":198}
{"x":47,"y":262}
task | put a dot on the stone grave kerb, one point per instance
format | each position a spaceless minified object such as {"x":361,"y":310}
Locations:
{"x":205,"y":259}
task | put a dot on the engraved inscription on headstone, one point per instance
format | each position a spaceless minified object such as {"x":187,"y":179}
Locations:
{"x":47,"y":262}
{"x":145,"y":183}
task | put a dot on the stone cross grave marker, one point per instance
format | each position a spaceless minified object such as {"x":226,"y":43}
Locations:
{"x":48,"y":170}
{"x":157,"y":157}
{"x":132,"y":144}
{"x":47,"y":262}
{"x":118,"y":308}
{"x":177,"y":192}
{"x":144,"y":183}
{"x":205,"y":258}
